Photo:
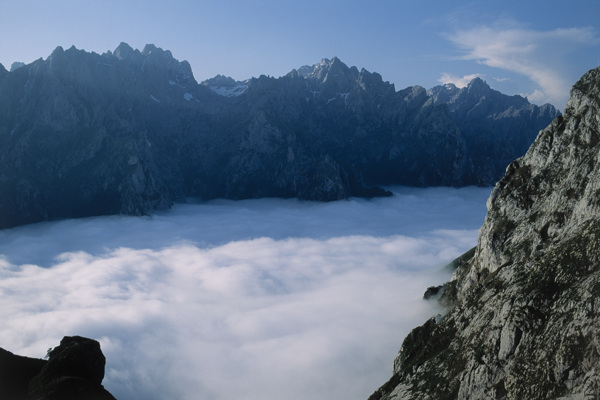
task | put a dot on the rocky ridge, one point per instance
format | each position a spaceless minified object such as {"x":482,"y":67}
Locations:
{"x":477,"y":108}
{"x":131,"y":131}
{"x":523,"y":305}
{"x":74,"y":370}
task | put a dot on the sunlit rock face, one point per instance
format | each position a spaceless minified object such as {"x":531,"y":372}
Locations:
{"x":131,"y":132}
{"x":523,"y":319}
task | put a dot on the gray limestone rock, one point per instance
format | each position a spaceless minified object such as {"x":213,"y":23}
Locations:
{"x":522,"y":319}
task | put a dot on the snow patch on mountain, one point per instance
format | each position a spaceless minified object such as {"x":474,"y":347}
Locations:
{"x":226,"y":86}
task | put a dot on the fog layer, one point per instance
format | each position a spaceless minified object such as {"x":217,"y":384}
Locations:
{"x":259,"y":299}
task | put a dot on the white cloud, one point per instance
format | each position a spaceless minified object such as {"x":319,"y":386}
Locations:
{"x":541,"y":56}
{"x":459,"y":82}
{"x":258,"y":299}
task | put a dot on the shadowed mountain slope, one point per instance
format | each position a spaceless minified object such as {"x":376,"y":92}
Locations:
{"x":84,"y":134}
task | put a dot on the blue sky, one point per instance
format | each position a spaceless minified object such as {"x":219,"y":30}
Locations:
{"x":533,"y":48}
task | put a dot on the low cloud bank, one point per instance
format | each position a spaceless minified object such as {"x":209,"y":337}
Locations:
{"x":257,"y":299}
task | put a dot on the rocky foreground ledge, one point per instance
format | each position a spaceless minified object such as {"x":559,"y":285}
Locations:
{"x":523,"y":318}
{"x":73,"y":371}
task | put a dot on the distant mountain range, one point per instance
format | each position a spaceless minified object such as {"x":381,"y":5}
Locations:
{"x":85,"y":134}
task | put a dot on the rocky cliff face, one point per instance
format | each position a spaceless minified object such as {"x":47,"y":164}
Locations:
{"x":129,"y":132}
{"x":523,"y":316}
{"x":74,"y":371}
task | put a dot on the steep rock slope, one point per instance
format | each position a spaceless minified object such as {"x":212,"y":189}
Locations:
{"x":523,"y":316}
{"x":131,"y":131}
{"x":86,"y":134}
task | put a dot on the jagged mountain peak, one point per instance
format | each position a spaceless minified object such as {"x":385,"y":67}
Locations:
{"x":151,"y":51}
{"x":328,"y":63}
{"x":327,"y":67}
{"x":331,"y":75}
{"x":478,"y":84}
{"x":158,"y":59}
{"x":444,"y":93}
{"x":57,"y":53}
{"x":57,"y":50}
{"x":149,"y":48}
{"x":479,"y":97}
{"x":226,"y":86}
{"x":221,"y":80}
{"x":480,"y":88}
{"x":124,"y":51}
{"x":372,"y":80}
{"x":304,"y":71}
{"x":60,"y":59}
{"x":16,"y":65}
{"x":324,"y":69}
{"x":71,"y":55}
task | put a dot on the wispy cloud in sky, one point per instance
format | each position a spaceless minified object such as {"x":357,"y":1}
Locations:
{"x":259,"y":299}
{"x":539,"y":55}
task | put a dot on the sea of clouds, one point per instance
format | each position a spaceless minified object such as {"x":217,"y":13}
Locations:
{"x":256,"y":299}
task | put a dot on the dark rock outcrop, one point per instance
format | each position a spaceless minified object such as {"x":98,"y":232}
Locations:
{"x":523,"y":319}
{"x":83,"y":134}
{"x":74,"y":371}
{"x":15,"y":374}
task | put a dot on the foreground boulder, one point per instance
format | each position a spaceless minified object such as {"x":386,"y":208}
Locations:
{"x":523,"y":317}
{"x":74,"y":371}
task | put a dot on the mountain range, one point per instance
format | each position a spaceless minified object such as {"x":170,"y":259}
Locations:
{"x":130,"y":132}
